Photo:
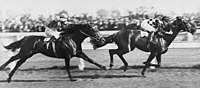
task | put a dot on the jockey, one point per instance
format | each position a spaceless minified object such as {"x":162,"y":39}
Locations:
{"x":54,"y":28}
{"x":150,"y":25}
{"x":154,"y":25}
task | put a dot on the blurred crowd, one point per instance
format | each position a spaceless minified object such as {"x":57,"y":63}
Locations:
{"x":35,"y":25}
{"x":27,"y":24}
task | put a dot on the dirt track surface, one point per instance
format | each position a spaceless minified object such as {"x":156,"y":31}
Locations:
{"x":180,"y":69}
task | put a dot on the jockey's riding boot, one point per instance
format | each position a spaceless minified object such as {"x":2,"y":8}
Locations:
{"x":151,"y":38}
{"x":51,"y":39}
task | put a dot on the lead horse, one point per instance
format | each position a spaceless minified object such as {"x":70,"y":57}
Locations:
{"x":68,"y":45}
{"x":128,"y":40}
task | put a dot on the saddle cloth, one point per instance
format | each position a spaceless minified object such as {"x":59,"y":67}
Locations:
{"x":144,"y":34}
{"x":47,"y":39}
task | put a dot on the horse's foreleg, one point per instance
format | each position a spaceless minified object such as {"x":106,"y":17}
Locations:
{"x":152,"y":55}
{"x":86,"y":58}
{"x":67,"y":64}
{"x":124,"y":61}
{"x":111,"y":52}
{"x":158,"y":58}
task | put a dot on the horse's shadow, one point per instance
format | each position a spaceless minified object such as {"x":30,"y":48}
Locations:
{"x":91,"y":76}
{"x":74,"y":69}
{"x":91,"y":68}
{"x":24,"y":81}
{"x":97,"y":76}
{"x":84,"y":77}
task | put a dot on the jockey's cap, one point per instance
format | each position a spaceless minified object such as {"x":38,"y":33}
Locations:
{"x":166,"y":18}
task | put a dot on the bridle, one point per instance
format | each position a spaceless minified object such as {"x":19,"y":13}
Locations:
{"x":89,"y":35}
{"x":176,"y":25}
{"x":185,"y":26}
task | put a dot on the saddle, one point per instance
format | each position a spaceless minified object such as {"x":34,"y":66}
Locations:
{"x":51,"y":40}
{"x":146,"y":34}
{"x":47,"y":39}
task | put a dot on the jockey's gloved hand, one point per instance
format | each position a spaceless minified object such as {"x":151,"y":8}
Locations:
{"x":170,"y":32}
{"x":62,"y":33}
{"x":160,"y":33}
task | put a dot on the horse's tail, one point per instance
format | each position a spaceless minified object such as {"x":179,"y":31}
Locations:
{"x":15,"y":45}
{"x":109,"y":39}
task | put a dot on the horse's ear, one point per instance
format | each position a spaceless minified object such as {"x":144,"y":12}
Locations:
{"x":179,"y":18}
{"x":89,"y":25}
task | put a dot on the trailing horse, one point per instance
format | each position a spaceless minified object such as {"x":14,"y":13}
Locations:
{"x":68,"y":45}
{"x":128,"y":40}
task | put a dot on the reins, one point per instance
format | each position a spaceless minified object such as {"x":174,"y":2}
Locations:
{"x":88,"y":35}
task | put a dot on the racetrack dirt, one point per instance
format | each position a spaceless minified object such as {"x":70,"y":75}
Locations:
{"x":180,"y":69}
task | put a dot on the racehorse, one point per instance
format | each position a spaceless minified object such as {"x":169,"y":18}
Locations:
{"x":128,"y":40}
{"x":68,"y":45}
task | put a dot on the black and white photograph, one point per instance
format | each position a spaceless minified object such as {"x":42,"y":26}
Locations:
{"x":99,"y":43}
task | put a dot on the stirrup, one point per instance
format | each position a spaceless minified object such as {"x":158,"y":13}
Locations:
{"x":51,"y":39}
{"x":152,"y":42}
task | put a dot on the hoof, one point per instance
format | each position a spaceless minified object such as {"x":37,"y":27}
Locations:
{"x":145,"y":62}
{"x":157,"y":65}
{"x":110,"y":68}
{"x":125,"y":69}
{"x":107,"y":68}
{"x":73,"y":80}
{"x":2,"y":68}
{"x":8,"y":80}
{"x":143,"y":75}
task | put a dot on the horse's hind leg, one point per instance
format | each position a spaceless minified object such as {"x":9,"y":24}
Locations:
{"x":23,"y":57}
{"x":13,"y":58}
{"x":111,"y":52}
{"x":124,"y":61}
{"x":152,"y":55}
{"x":19,"y":63}
{"x":67,"y":64}
{"x":120,"y":53}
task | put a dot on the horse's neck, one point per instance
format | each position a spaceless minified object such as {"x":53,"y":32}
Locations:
{"x":78,"y":37}
{"x":69,"y":31}
{"x":170,"y":38}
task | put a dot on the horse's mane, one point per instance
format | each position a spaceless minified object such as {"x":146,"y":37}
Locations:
{"x":70,"y":29}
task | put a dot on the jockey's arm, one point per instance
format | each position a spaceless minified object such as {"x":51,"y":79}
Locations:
{"x":165,"y":32}
{"x":160,"y":28}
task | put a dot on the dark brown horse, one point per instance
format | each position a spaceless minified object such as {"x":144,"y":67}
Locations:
{"x":128,"y":40}
{"x":68,"y":45}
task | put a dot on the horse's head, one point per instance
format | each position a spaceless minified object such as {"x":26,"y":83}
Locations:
{"x":193,"y":27}
{"x":183,"y":25}
{"x":91,"y":32}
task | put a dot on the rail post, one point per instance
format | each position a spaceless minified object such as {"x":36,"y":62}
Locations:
{"x":81,"y":65}
{"x":189,"y":37}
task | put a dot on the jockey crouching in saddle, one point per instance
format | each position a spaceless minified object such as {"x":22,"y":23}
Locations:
{"x":155,"y":25}
{"x":54,"y":29}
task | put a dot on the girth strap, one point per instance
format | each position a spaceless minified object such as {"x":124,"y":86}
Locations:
{"x":54,"y":48}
